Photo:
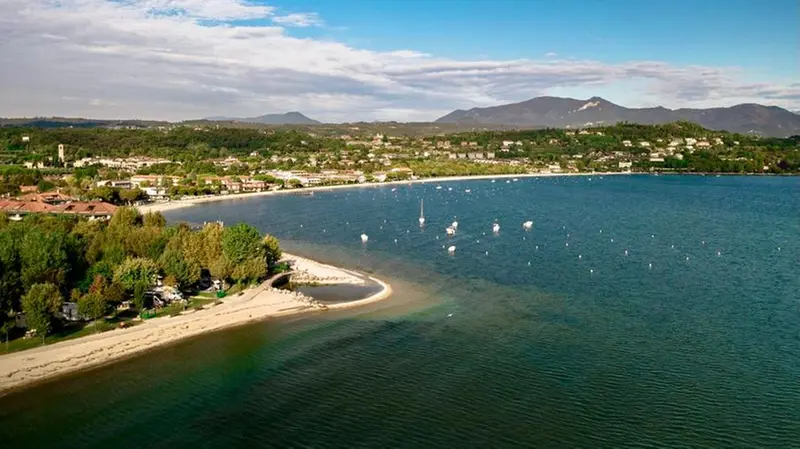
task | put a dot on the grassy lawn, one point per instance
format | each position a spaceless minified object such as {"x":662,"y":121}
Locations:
{"x":77,"y":330}
{"x":202,"y":301}
{"x":68,"y":332}
{"x":235,"y":288}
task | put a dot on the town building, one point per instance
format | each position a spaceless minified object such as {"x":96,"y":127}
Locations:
{"x":116,"y":183}
{"x":154,"y":180}
{"x":94,"y":210}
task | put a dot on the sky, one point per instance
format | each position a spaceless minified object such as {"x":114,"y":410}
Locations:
{"x":404,"y":60}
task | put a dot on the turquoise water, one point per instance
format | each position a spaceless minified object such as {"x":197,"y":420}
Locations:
{"x":516,"y":340}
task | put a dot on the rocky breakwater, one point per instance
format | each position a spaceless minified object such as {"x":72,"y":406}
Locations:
{"x":297,"y":296}
{"x":306,"y":271}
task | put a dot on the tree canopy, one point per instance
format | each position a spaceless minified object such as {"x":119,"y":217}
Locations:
{"x":100,"y":264}
{"x":40,"y":305}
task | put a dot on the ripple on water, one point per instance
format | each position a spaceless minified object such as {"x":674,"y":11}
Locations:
{"x":478,"y":350}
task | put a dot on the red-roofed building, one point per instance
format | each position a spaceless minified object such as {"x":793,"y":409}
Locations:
{"x":52,"y":197}
{"x":95,"y":210}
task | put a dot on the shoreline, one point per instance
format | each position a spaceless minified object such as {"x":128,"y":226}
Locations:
{"x":32,"y":366}
{"x":180,"y":204}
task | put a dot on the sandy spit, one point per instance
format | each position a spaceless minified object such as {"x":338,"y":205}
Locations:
{"x":34,"y":365}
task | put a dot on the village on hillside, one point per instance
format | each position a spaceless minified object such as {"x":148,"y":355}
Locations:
{"x":89,"y":171}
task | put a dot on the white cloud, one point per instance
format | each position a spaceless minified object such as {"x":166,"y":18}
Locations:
{"x":180,"y":59}
{"x":298,"y":20}
{"x":199,"y":9}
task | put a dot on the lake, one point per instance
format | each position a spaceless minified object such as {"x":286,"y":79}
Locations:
{"x":639,"y":311}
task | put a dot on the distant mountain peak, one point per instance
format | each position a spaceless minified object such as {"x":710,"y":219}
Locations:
{"x":288,"y":118}
{"x":557,"y":112}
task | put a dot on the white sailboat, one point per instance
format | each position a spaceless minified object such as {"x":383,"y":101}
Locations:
{"x":364,"y":238}
{"x":496,"y":228}
{"x":527,"y":225}
{"x":421,"y":213}
{"x":454,"y":225}
{"x":450,"y":231}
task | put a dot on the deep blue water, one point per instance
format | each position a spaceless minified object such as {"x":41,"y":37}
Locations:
{"x":548,"y":338}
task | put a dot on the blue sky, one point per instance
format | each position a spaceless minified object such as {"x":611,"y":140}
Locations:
{"x":759,"y":35}
{"x":411,"y":60}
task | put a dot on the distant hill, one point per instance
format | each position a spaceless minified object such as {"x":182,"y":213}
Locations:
{"x":289,"y":118}
{"x":68,"y":122}
{"x":556,"y":112}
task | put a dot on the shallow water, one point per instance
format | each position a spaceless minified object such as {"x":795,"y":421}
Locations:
{"x":338,"y":293}
{"x":548,"y":338}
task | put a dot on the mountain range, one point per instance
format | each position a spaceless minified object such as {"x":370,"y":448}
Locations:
{"x":289,"y":118}
{"x":556,"y":112}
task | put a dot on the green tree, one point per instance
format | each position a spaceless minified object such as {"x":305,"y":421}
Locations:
{"x":136,"y":271}
{"x":6,"y":327}
{"x":148,"y":241}
{"x":114,"y":293}
{"x":40,"y":305}
{"x":125,"y":218}
{"x":43,"y":258}
{"x":107,"y":194}
{"x":211,"y":240}
{"x":154,"y":219}
{"x":249,"y":270}
{"x":138,"y":296}
{"x":221,"y":269}
{"x":131,"y":196}
{"x":99,"y":285}
{"x":185,"y":271}
{"x":269,"y":179}
{"x":94,"y":306}
{"x":241,"y":242}
{"x":272,"y":251}
{"x":10,"y":276}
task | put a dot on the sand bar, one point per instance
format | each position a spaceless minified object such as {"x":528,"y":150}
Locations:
{"x":30,"y":366}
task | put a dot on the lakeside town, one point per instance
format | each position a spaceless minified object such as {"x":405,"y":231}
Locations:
{"x":90,"y":171}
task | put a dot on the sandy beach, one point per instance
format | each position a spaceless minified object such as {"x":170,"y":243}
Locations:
{"x":178,"y":204}
{"x":27,"y":367}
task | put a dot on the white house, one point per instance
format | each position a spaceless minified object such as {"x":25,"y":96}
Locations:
{"x":156,"y":193}
{"x":118,"y":183}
